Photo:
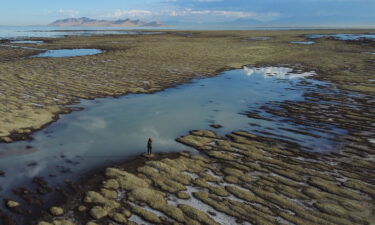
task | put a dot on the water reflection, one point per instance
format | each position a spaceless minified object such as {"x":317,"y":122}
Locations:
{"x":276,"y":72}
{"x":113,"y":129}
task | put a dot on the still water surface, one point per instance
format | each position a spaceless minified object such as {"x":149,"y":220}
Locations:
{"x":68,"y":53}
{"x":113,"y":129}
{"x":303,"y":42}
{"x":345,"y":37}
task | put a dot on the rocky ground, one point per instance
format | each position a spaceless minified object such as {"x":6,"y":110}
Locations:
{"x":239,"y":179}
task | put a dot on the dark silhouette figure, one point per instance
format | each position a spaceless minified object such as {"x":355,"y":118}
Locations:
{"x":149,"y":146}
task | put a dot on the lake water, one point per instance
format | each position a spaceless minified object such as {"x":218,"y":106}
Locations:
{"x":24,"y":32}
{"x":113,"y":129}
{"x":68,"y":53}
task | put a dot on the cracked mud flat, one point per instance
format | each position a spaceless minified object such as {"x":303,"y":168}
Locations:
{"x":238,"y":179}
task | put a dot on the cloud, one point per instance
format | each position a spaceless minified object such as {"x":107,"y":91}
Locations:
{"x":165,"y":141}
{"x":128,"y":13}
{"x":68,"y":12}
{"x":225,"y":13}
{"x":276,"y":72}
{"x":137,"y":13}
{"x":207,"y":0}
{"x":91,"y":123}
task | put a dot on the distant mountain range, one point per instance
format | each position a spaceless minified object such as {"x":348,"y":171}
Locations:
{"x":87,"y":22}
{"x":297,"y":21}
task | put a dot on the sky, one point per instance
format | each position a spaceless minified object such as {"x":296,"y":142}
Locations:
{"x":281,"y":12}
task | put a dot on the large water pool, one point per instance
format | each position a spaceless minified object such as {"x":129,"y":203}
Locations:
{"x":114,"y":129}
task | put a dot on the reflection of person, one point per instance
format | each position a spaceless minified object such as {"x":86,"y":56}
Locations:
{"x":149,"y":146}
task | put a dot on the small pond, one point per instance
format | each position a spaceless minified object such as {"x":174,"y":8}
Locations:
{"x":303,"y":42}
{"x":113,"y":129}
{"x":68,"y":53}
{"x":27,"y":42}
{"x":258,"y":38}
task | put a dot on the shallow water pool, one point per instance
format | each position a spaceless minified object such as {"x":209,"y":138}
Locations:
{"x":68,"y":53}
{"x":344,"y":37}
{"x":113,"y":129}
{"x":303,"y":42}
{"x":259,"y":38}
{"x":27,"y":42}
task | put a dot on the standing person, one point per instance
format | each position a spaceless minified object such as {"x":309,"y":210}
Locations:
{"x":149,"y":146}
